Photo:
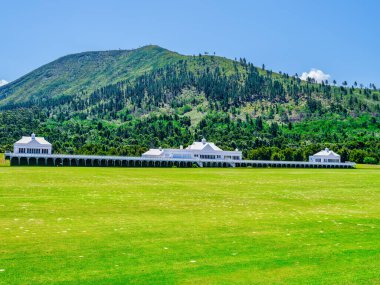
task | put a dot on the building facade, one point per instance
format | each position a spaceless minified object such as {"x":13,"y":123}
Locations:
{"x":198,"y":150}
{"x":325,"y":156}
{"x":32,"y":145}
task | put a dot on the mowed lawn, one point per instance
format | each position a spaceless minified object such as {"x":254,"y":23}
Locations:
{"x":189,"y":226}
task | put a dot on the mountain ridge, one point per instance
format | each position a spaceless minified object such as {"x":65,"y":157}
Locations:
{"x":57,"y":76}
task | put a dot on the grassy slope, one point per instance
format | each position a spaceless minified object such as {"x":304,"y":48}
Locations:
{"x":88,"y":71}
{"x":85,"y":71}
{"x":160,"y":226}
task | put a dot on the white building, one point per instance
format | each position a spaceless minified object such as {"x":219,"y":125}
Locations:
{"x":32,"y":145}
{"x":325,"y":156}
{"x":198,"y":150}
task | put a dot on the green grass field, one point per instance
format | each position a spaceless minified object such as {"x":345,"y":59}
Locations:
{"x":189,"y":226}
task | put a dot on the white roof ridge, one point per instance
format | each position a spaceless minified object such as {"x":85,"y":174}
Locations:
{"x":326,"y":152}
{"x":28,"y":139}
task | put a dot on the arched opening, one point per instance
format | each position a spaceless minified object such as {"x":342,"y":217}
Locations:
{"x":14,"y":161}
{"x":49,"y":162}
{"x":23,"y":161}
{"x":41,"y":161}
{"x":58,"y":162}
{"x":32,"y":161}
{"x":65,"y":162}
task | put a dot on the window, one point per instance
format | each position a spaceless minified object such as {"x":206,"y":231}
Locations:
{"x":207,"y":156}
{"x":33,"y":150}
{"x":177,"y":155}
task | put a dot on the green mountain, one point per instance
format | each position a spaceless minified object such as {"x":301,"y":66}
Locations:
{"x":122,"y":102}
{"x":74,"y":73}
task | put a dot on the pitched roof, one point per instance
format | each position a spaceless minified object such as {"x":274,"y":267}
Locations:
{"x":153,"y":151}
{"x":326,"y":152}
{"x":201,"y":145}
{"x":26,"y":140}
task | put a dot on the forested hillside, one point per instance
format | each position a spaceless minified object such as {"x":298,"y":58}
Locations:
{"x":123,"y":102}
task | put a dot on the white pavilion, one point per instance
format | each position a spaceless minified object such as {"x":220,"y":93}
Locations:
{"x":198,"y":150}
{"x":32,"y":145}
{"x":325,"y":156}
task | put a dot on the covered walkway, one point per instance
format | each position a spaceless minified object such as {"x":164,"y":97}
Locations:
{"x":125,"y":161}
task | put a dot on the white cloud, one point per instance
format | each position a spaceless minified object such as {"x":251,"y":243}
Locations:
{"x":316,"y":74}
{"x":3,"y":82}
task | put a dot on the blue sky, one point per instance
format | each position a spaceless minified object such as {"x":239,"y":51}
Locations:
{"x":341,"y":38}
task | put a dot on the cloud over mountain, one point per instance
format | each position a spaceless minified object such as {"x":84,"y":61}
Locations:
{"x":316,"y":74}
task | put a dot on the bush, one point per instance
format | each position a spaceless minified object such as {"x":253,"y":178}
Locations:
{"x":370,"y":160}
{"x":358,"y":155}
{"x":277,"y":156}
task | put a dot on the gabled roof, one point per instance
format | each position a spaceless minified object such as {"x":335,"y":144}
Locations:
{"x":153,"y":151}
{"x":26,"y":140}
{"x":201,"y":145}
{"x":326,"y":152}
